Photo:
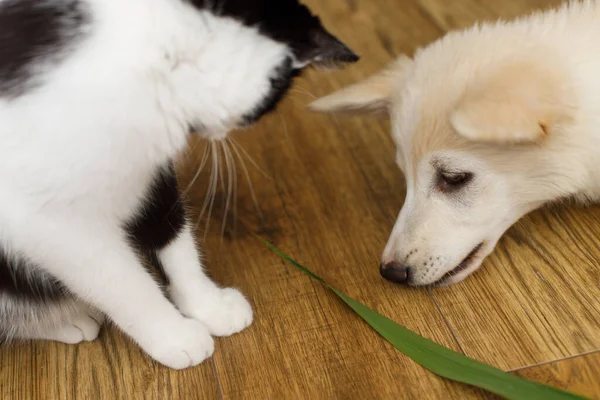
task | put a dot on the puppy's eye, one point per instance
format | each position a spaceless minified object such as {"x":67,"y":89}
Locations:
{"x":451,"y":181}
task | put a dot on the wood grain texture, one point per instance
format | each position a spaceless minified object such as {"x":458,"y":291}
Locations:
{"x":110,"y":368}
{"x":329,"y":195}
{"x":579,"y":374}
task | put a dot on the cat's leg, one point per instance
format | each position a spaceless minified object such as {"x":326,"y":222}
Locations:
{"x":60,"y":319}
{"x":72,"y":323}
{"x":82,"y":329}
{"x":95,"y":262}
{"x":223,"y":311}
{"x":33,"y":305}
{"x":163,"y":228}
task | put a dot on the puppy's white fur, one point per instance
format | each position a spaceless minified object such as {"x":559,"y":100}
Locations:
{"x":62,"y":206}
{"x":514,"y":103}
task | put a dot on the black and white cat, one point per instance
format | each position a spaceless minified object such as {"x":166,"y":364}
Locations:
{"x":97,"y":98}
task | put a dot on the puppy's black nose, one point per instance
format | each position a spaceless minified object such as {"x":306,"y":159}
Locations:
{"x":394,"y":272}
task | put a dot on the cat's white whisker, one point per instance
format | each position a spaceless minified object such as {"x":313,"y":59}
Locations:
{"x":234,"y":174}
{"x":213,"y":195}
{"x":241,"y":148}
{"x":204,"y":160}
{"x":218,"y":146}
{"x":303,"y":91}
{"x":212,"y":183}
{"x":235,"y":186}
{"x":247,"y":174}
{"x":185,"y":192}
{"x":229,"y":186}
{"x":285,"y":127}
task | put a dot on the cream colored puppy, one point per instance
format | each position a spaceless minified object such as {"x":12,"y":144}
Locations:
{"x":490,"y":123}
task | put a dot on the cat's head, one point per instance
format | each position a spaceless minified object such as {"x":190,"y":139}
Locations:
{"x":256,"y":49}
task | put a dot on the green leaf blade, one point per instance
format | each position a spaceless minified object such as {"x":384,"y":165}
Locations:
{"x":439,"y":359}
{"x":452,"y":365}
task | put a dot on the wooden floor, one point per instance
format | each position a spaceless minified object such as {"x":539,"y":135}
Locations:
{"x":329,"y":196}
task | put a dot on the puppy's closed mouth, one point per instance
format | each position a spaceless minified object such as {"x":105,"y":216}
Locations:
{"x":464,"y":264}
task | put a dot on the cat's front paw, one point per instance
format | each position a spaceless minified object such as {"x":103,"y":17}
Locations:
{"x":232,"y":314}
{"x":224,"y":313}
{"x":186,"y":344}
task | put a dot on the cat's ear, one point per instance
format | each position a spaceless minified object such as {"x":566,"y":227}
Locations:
{"x":325,"y":50}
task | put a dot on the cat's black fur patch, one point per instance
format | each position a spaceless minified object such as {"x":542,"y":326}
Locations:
{"x":281,"y":81}
{"x":20,"y":279}
{"x":162,"y":215}
{"x":33,"y":32}
{"x":285,"y":21}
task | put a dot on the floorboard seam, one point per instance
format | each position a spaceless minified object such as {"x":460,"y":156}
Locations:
{"x":587,"y":353}
{"x":218,"y":378}
{"x":437,"y":306}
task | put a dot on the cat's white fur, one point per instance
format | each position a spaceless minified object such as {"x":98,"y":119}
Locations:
{"x":74,"y":164}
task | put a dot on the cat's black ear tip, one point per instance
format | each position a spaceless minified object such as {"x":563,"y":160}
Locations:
{"x":339,"y":54}
{"x":342,"y":57}
{"x":348,"y":57}
{"x":327,"y":51}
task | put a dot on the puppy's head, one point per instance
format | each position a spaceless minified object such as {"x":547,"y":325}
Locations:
{"x":481,"y":139}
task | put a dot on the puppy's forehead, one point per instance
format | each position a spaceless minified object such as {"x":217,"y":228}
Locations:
{"x":422,"y":128}
{"x":428,"y":95}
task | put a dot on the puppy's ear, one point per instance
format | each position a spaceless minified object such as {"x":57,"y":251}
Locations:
{"x":370,"y":95}
{"x":518,"y":104}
